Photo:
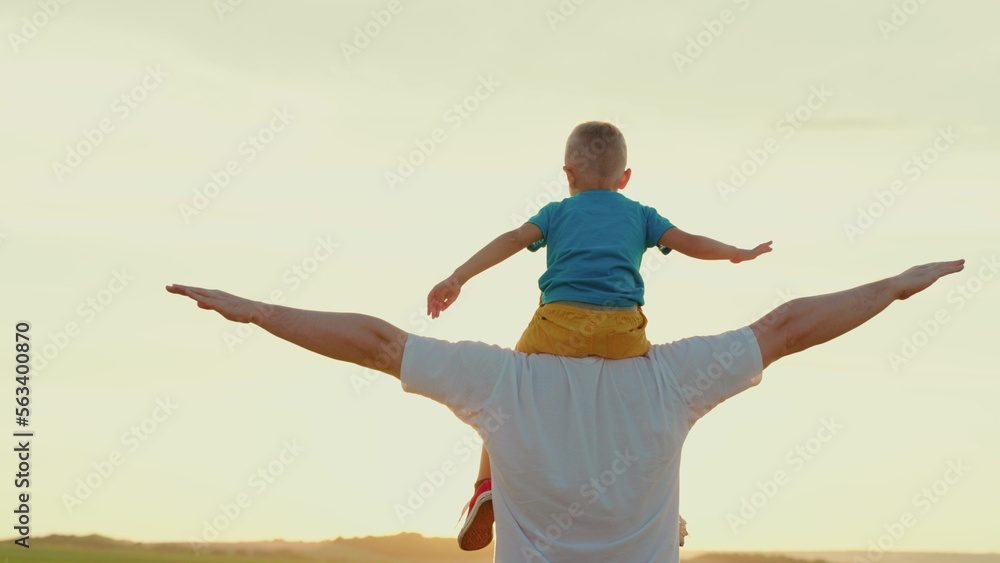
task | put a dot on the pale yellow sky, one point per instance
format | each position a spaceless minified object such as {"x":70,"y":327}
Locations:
{"x":264,"y":99}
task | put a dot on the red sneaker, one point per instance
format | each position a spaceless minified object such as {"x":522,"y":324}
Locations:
{"x":477,"y":532}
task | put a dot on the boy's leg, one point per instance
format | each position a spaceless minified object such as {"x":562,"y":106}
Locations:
{"x":542,"y":336}
{"x":806,"y":322}
{"x":560,"y":330}
{"x":484,"y":467}
{"x":477,"y":531}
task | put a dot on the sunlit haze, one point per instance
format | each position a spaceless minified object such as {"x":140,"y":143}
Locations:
{"x":349,"y":155}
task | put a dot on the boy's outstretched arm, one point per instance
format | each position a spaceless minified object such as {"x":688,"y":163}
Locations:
{"x":704,"y":248}
{"x":349,"y":337}
{"x":500,"y":249}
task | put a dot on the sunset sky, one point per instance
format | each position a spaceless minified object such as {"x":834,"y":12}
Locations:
{"x":349,"y":155}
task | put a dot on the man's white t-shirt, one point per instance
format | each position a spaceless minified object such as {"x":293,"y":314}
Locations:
{"x":585,"y":452}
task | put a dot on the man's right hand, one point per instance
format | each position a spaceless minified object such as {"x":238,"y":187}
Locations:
{"x":442,"y":296}
{"x":231,"y":307}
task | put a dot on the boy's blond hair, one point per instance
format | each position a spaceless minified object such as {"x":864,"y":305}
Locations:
{"x":596,"y":153}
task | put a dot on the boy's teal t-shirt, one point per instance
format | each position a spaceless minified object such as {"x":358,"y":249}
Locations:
{"x":595,"y":241}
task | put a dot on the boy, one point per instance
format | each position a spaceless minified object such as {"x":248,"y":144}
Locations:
{"x":592,"y":293}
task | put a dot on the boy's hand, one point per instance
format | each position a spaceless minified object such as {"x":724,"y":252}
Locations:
{"x":442,"y":296}
{"x":743,"y":255}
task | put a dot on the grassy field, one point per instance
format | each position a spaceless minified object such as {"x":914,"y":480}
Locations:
{"x":95,"y":548}
{"x":10,"y":553}
{"x":402,"y":548}
{"x":14,"y":554}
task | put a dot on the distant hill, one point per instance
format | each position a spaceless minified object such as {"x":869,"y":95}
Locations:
{"x":892,"y":557}
{"x":389,"y":549}
{"x":406,"y":547}
{"x":835,"y":557}
{"x":748,"y":558}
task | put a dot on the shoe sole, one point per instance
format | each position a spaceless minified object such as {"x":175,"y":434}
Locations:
{"x":478,"y":531}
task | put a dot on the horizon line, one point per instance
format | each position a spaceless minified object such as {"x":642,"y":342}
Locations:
{"x":450,"y":538}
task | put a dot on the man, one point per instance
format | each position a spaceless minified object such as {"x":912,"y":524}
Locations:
{"x":588,"y":449}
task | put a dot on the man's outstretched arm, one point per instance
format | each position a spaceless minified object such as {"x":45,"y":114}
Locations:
{"x":806,"y":322}
{"x":349,"y":337}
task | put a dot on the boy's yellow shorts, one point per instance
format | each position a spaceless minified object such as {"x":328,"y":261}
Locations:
{"x":566,"y":330}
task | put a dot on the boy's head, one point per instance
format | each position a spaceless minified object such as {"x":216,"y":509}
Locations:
{"x":596,"y":158}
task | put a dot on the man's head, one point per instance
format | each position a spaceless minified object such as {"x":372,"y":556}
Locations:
{"x":596,"y":158}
